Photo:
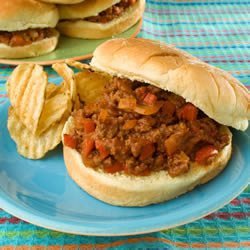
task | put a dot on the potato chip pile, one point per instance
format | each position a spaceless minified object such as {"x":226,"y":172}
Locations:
{"x":39,"y":109}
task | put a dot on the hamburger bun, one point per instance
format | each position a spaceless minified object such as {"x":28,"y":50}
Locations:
{"x":92,"y":30}
{"x":38,"y":48}
{"x":16,"y":15}
{"x":123,"y":190}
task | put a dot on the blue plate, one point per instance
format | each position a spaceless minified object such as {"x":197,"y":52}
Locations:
{"x":42,"y":193}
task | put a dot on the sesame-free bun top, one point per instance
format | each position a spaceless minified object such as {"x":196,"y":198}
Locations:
{"x":18,"y":15}
{"x":62,"y":1}
{"x":214,"y":91}
{"x":85,"y":9}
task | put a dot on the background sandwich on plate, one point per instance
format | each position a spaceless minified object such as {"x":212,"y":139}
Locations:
{"x":157,"y":125}
{"x":27,"y":28}
{"x":99,"y":19}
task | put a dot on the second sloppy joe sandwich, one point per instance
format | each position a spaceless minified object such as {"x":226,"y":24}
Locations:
{"x":159,"y":127}
{"x":100,"y":18}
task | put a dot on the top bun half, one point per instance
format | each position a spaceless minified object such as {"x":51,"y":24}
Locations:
{"x":214,"y":91}
{"x":85,"y":9}
{"x":18,"y":15}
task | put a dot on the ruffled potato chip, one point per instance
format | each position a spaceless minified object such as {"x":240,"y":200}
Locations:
{"x":33,"y":146}
{"x":54,"y":109}
{"x":26,"y":90}
{"x":52,"y":90}
{"x":69,"y":79}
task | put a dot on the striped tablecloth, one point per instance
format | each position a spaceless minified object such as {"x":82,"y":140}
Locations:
{"x":218,"y":32}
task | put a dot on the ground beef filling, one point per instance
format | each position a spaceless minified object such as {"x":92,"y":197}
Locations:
{"x":24,"y":37}
{"x":112,"y":12}
{"x":137,"y":128}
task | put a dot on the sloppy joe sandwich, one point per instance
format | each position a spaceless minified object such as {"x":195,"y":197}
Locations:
{"x":27,"y":28}
{"x":99,"y":19}
{"x":158,"y":128}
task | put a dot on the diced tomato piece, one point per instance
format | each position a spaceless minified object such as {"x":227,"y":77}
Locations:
{"x":168,"y":108}
{"x":150,"y":99}
{"x":147,"y":151}
{"x":104,"y":153}
{"x":88,"y":126}
{"x":69,"y":141}
{"x":188,"y":112}
{"x":204,"y":153}
{"x":88,"y":146}
{"x":116,"y":167}
{"x":129,"y":124}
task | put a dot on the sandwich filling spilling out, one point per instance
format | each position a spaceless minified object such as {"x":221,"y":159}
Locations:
{"x":25,"y":37}
{"x":111,"y":13}
{"x":137,"y":129}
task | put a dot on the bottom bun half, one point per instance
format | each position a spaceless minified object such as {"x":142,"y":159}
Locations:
{"x":124,"y":190}
{"x":39,"y":48}
{"x":91,"y":30}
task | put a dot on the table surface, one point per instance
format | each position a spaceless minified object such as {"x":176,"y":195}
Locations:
{"x":218,"y":32}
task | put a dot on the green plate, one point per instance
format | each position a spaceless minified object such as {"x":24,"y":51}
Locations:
{"x":72,"y":48}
